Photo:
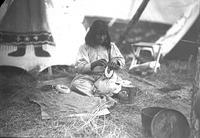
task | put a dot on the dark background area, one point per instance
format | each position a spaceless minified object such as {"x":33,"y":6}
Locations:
{"x":150,"y":32}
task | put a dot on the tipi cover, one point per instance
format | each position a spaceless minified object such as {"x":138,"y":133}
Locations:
{"x":52,"y":35}
{"x":37,"y":34}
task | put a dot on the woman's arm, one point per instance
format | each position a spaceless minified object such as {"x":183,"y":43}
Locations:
{"x":82,"y":62}
{"x":116,"y":55}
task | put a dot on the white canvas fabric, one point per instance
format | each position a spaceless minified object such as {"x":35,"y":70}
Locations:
{"x":165,"y":11}
{"x":68,"y":31}
{"x":25,"y":19}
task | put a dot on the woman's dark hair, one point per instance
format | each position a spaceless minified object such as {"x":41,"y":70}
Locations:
{"x":98,"y":27}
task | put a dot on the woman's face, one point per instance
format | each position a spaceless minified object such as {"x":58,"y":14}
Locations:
{"x":101,"y":38}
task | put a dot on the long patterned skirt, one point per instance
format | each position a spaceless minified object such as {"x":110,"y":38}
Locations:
{"x":25,"y":23}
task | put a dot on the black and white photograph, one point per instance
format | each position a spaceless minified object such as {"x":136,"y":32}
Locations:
{"x":100,"y":68}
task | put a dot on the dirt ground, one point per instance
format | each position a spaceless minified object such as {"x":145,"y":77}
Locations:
{"x":21,"y":117}
{"x":170,"y":88}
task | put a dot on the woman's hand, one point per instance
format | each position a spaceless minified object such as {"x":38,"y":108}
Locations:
{"x":114,"y":65}
{"x":102,"y":62}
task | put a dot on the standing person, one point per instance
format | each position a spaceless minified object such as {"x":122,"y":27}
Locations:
{"x":93,"y":57}
{"x":24,"y":24}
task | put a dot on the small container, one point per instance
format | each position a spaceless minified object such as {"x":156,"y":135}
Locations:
{"x":127,"y":95}
{"x":62,"y":89}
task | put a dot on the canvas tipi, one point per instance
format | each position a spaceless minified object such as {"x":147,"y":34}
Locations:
{"x":32,"y":34}
{"x":62,"y":32}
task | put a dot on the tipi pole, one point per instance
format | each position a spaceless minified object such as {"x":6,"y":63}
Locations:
{"x":134,"y":19}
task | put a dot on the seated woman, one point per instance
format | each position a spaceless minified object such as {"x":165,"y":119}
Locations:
{"x":93,"y":57}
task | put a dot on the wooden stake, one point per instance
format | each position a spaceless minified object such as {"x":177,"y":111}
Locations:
{"x":195,"y":99}
{"x":50,"y":72}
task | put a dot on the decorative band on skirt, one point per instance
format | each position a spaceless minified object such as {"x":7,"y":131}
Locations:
{"x":28,"y":38}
